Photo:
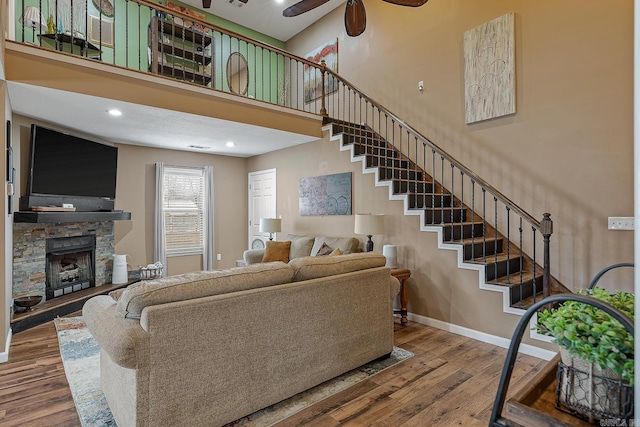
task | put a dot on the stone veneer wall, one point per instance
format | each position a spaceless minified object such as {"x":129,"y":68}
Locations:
{"x":29,"y":252}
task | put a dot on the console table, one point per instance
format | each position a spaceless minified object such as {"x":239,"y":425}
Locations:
{"x":402,"y":274}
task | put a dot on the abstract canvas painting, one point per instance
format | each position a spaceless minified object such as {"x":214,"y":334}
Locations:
{"x":313,"y":77}
{"x":326,"y":195}
{"x":489,"y":70}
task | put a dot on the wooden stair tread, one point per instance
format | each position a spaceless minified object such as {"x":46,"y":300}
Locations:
{"x":515,"y":279}
{"x":492,"y":258}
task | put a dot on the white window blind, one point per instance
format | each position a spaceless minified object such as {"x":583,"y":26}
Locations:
{"x":183,"y":208}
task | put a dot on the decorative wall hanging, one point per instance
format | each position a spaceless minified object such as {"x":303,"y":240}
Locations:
{"x":100,"y":31}
{"x":489,"y":70}
{"x":326,"y":195}
{"x":313,"y":77}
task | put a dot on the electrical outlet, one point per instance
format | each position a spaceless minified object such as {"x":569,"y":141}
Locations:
{"x":219,"y":257}
{"x":621,"y":223}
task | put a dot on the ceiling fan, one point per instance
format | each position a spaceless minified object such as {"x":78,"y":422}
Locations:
{"x":355,"y":18}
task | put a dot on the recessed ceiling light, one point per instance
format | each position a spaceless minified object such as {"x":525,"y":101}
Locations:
{"x":114,"y":112}
{"x":280,"y":1}
{"x":231,"y":144}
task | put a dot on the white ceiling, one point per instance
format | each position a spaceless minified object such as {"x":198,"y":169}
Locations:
{"x":154,"y":127}
{"x":265,"y":16}
{"x":147,"y":126}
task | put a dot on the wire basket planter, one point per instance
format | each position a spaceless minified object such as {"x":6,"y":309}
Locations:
{"x":150,"y":272}
{"x":593,"y":397}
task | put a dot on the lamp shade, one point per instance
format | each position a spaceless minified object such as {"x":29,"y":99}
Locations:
{"x":270,"y":225}
{"x":32,"y":17}
{"x":369,"y":224}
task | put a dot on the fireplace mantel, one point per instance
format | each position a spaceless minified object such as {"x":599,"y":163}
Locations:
{"x":52,"y":217}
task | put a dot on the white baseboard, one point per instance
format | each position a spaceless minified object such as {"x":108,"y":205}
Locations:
{"x":4,"y":356}
{"x":527,"y":349}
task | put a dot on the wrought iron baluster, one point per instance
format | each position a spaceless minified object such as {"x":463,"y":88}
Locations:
{"x":473,"y":249}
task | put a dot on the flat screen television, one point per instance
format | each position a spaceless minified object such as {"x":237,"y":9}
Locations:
{"x":69,"y":167}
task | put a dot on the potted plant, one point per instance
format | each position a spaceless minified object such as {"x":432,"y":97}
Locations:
{"x":596,"y":376}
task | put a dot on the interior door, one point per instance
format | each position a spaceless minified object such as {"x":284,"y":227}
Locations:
{"x":262,"y":204}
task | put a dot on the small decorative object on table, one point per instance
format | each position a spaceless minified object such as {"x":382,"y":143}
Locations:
{"x":151,"y":271}
{"x":27,"y":302}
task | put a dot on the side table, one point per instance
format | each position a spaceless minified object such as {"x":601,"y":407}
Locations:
{"x":402,"y":274}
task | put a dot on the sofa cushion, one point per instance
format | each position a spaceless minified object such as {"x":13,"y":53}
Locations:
{"x":336,"y":251}
{"x":300,"y":245}
{"x":200,"y":284}
{"x":307,"y":268}
{"x":276,"y":251}
{"x":347,"y":245}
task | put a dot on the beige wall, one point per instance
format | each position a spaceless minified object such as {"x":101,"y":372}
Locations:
{"x":135,"y":194}
{"x":568,"y":150}
{"x":438,"y":289}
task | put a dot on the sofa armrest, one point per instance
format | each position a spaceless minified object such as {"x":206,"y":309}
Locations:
{"x":122,"y":339}
{"x":394,"y":285}
{"x":253,"y":256}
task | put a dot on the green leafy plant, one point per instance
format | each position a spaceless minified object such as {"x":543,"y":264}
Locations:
{"x":591,"y":334}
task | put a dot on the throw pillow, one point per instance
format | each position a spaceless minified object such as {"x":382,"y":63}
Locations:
{"x":324,"y":250}
{"x":117,"y":293}
{"x":276,"y":251}
{"x":336,"y":251}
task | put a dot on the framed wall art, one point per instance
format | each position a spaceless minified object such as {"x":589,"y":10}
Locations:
{"x":313,"y":77}
{"x":489,"y":70}
{"x":326,"y":195}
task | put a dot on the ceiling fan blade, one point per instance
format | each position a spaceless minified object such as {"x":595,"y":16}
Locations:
{"x":410,"y":3}
{"x":206,"y":4}
{"x":302,"y":7}
{"x":355,"y":18}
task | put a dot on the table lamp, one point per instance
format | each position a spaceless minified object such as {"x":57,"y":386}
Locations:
{"x":32,"y":17}
{"x":370,"y":225}
{"x":270,"y":225}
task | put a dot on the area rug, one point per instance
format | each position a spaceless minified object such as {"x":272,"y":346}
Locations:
{"x":81,"y":360}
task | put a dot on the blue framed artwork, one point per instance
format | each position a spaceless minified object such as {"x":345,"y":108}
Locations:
{"x":326,"y":195}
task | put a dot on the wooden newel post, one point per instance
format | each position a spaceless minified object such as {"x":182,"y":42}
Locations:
{"x":546,"y":228}
{"x":323,"y":109}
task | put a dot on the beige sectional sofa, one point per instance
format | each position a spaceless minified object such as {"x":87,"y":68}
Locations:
{"x":302,"y":246}
{"x":207,"y":348}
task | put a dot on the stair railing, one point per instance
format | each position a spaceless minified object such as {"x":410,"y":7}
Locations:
{"x":497,"y":216}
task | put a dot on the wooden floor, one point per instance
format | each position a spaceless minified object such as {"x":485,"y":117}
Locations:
{"x":451,"y":381}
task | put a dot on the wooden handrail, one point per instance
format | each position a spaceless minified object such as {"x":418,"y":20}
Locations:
{"x":474,"y":177}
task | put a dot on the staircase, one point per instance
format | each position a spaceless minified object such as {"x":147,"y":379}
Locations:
{"x":506,"y":266}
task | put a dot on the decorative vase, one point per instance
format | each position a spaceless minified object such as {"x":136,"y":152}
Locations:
{"x":590,"y":392}
{"x":51,"y":26}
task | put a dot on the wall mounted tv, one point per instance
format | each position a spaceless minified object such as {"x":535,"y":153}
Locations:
{"x":68,"y":169}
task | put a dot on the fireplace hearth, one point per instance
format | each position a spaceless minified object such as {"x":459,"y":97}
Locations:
{"x":70,"y":265}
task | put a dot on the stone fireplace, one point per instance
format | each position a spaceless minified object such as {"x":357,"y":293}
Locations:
{"x":54,"y":259}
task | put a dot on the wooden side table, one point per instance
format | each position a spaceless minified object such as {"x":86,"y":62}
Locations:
{"x":402,"y":274}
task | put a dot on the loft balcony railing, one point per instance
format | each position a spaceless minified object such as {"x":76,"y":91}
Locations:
{"x":144,"y":36}
{"x":148,"y":37}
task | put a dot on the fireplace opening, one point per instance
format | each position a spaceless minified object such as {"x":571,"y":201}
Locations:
{"x":70,"y":264}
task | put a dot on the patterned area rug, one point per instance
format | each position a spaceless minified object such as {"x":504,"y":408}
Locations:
{"x":81,"y":359}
